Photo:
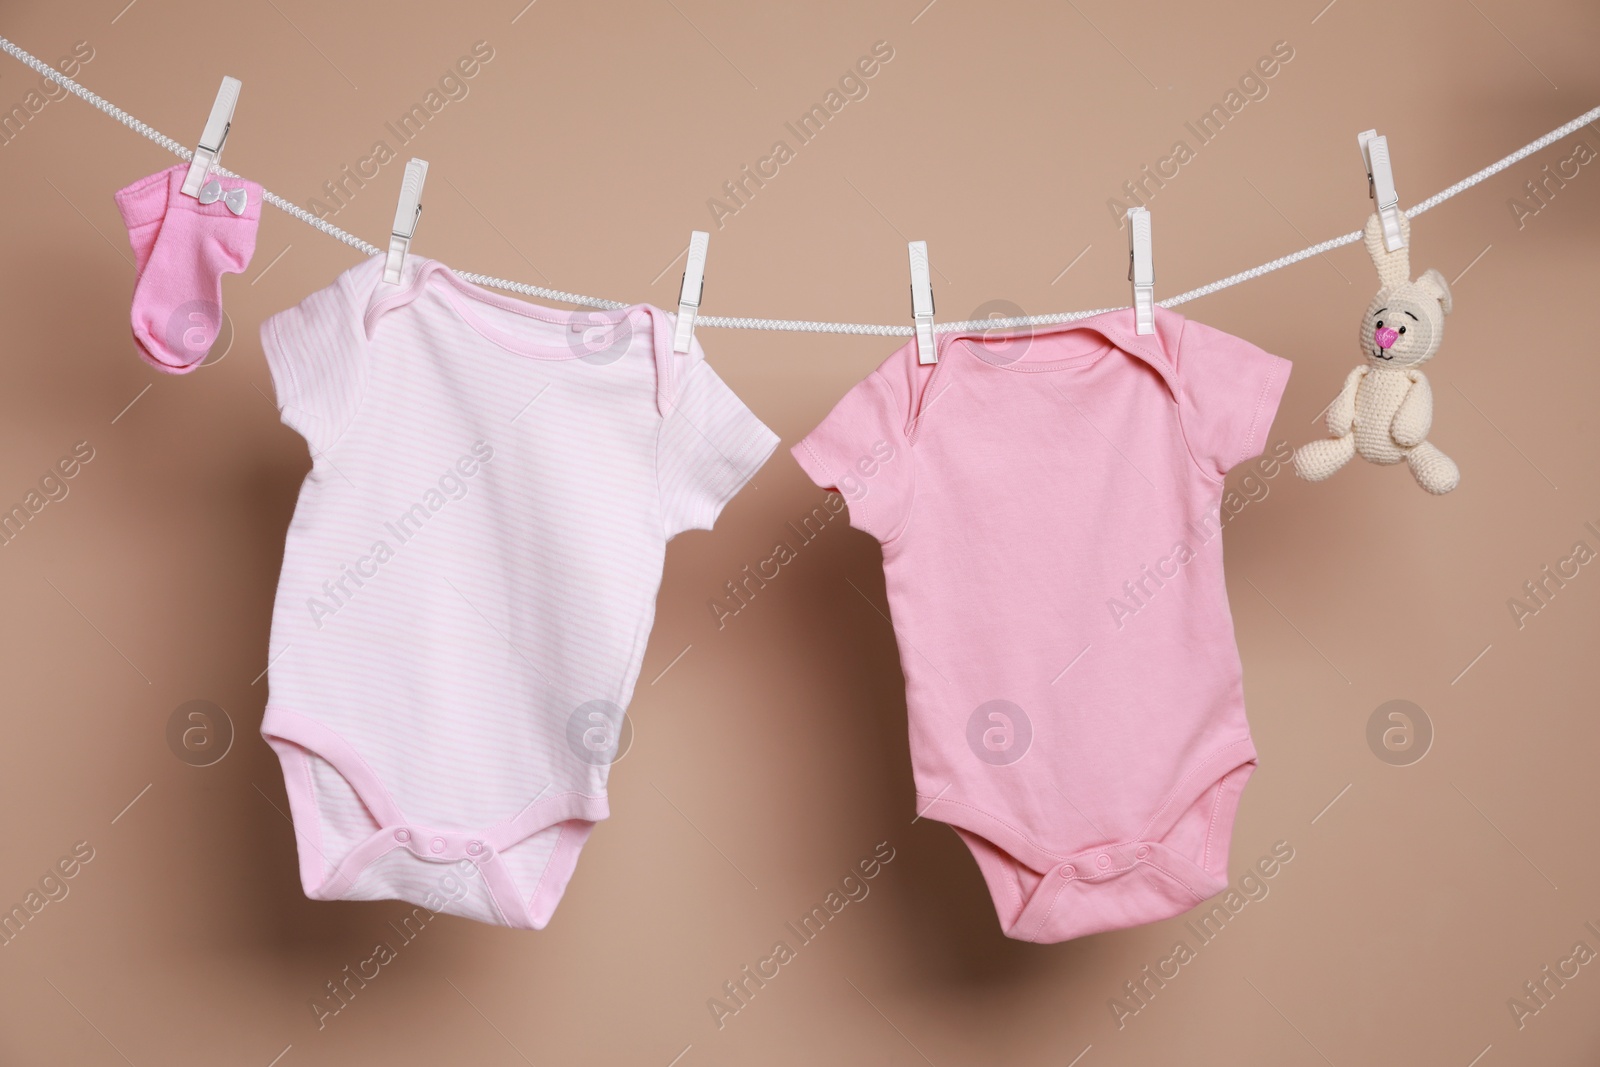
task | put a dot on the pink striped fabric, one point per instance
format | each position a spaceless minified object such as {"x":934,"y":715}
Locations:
{"x":470,"y":576}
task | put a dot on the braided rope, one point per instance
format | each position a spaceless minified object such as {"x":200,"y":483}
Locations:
{"x":801,"y":325}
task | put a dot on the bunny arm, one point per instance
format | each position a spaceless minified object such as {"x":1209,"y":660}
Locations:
{"x":1414,"y":418}
{"x":1342,"y":412}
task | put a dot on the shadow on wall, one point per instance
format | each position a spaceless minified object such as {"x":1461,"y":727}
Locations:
{"x":943,"y":923}
{"x":332,"y":940}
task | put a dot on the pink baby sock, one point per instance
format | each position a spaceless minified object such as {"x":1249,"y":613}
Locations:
{"x":143,"y":204}
{"x":177,"y":301}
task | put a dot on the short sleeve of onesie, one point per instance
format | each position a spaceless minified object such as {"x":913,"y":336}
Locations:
{"x":710,"y":446}
{"x":862,"y":450}
{"x":316,"y":351}
{"x":1229,"y":392}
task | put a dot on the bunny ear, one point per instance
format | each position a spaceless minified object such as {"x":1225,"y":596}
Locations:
{"x":1434,"y":282}
{"x":1394,"y":268}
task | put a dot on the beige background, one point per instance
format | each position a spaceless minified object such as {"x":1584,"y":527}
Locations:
{"x":771,"y":757}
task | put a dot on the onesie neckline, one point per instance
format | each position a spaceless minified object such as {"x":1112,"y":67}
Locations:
{"x":1117,"y":327}
{"x":975,"y":347}
{"x":1109,"y":325}
{"x":466,"y":300}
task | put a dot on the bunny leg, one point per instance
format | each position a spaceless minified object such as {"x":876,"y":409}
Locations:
{"x":1435,"y":471}
{"x":1321,"y":459}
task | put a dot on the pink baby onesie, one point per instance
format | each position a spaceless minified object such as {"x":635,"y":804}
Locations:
{"x":470,"y":576}
{"x":1048,"y":507}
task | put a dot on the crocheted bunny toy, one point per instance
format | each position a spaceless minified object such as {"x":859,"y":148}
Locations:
{"x":1385,"y":409}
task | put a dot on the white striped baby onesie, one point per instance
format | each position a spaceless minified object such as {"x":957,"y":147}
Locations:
{"x":470,"y":576}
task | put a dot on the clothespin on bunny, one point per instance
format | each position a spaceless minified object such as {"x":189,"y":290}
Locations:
{"x":1380,"y":186}
{"x":1385,"y":410}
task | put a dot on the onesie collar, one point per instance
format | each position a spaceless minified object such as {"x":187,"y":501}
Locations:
{"x":1159,"y":349}
{"x":420,"y":270}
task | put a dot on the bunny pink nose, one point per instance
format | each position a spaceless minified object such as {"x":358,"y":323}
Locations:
{"x":1386,"y":337}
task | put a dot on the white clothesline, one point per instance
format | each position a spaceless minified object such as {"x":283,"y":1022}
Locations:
{"x":798,"y":325}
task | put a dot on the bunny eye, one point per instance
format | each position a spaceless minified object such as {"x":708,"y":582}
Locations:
{"x":1402,"y":329}
{"x":1380,"y":323}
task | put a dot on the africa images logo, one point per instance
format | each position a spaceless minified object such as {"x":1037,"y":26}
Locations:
{"x":452,"y":485}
